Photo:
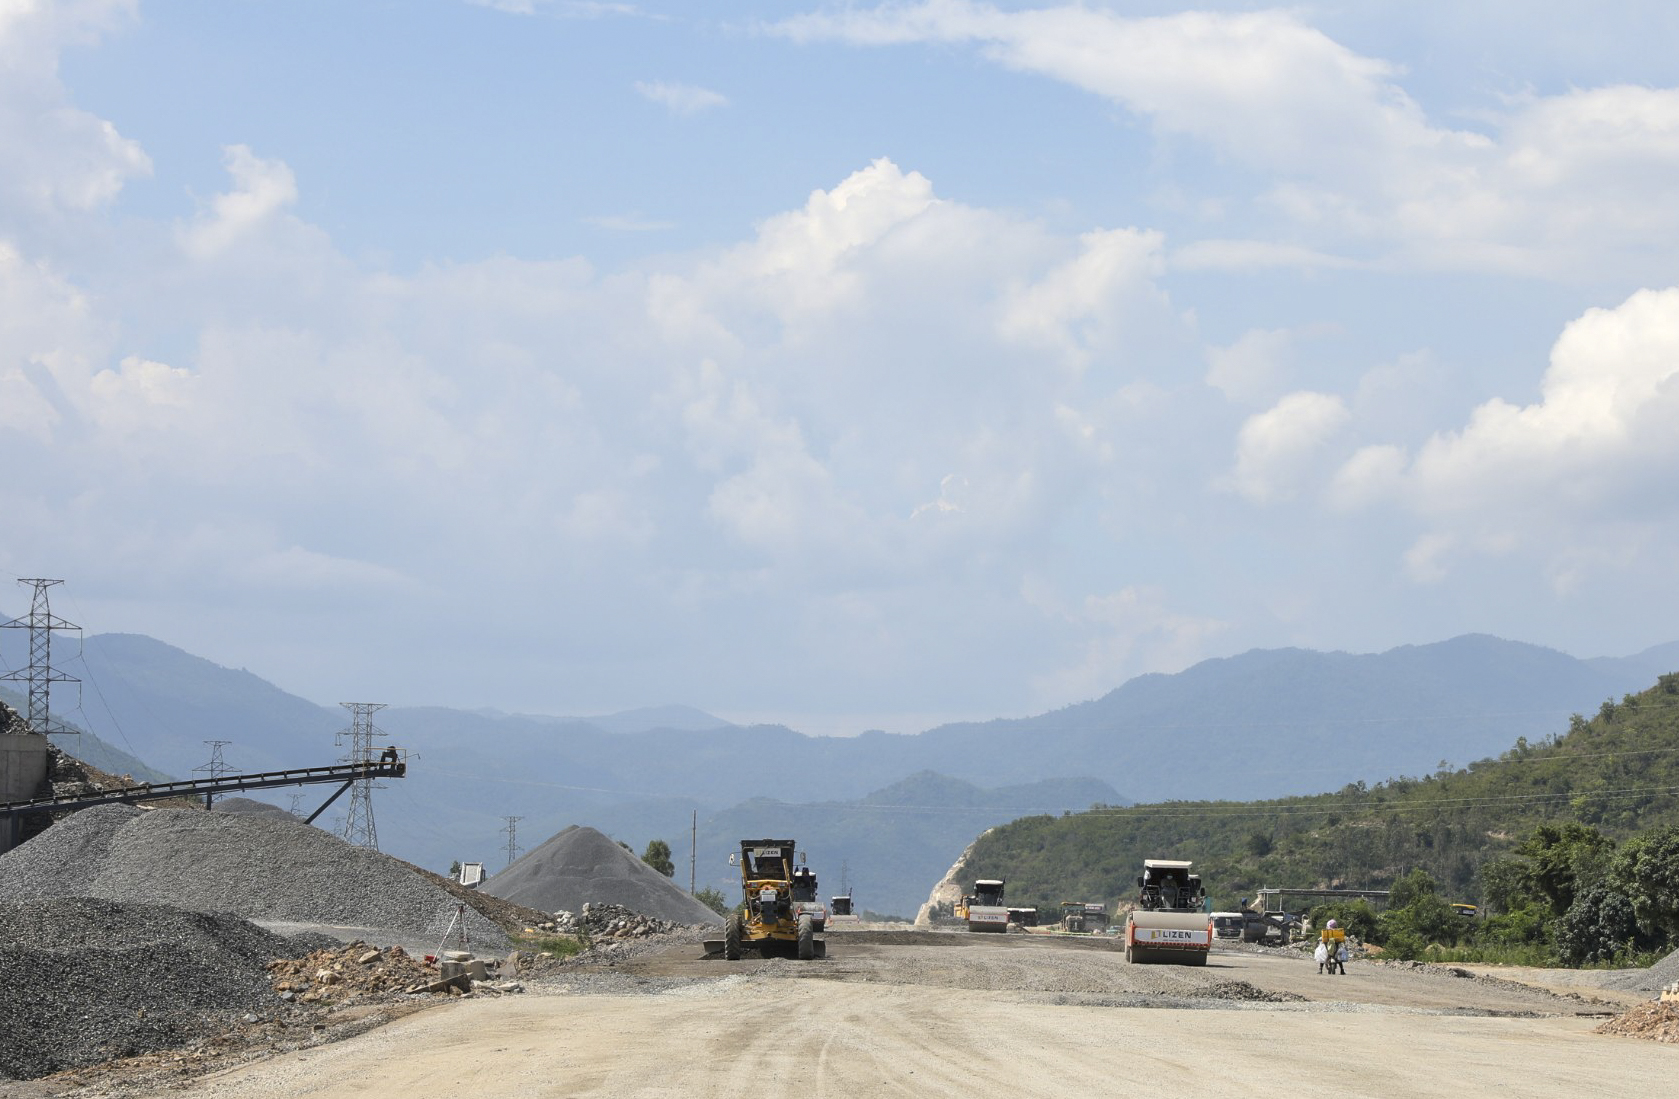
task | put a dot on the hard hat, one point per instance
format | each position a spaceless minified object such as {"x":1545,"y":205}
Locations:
{"x":1332,"y":923}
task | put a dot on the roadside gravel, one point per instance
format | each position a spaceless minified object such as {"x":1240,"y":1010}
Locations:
{"x":256,"y":867}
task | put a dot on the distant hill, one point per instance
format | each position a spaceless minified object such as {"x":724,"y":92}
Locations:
{"x":891,"y":845}
{"x":1618,"y":772}
{"x":1264,"y":724}
{"x":89,"y":748}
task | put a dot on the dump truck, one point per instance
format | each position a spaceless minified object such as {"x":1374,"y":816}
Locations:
{"x":983,"y":909}
{"x":779,"y":913}
{"x":1170,"y":923}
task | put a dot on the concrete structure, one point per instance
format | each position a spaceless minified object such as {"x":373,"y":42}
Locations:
{"x":23,"y":767}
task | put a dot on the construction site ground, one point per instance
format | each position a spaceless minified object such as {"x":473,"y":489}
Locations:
{"x":941,"y":1013}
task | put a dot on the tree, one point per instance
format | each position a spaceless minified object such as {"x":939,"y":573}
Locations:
{"x":1596,"y":926}
{"x":455,"y":869}
{"x":657,"y":856}
{"x":1565,"y":860}
{"x":1647,"y":870}
{"x":713,"y":900}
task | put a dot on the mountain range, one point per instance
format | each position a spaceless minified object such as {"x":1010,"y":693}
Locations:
{"x":893,"y":810}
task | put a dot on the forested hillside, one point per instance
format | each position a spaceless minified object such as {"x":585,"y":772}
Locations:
{"x":1617,"y":773}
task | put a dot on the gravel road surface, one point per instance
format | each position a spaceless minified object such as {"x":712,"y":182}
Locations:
{"x":947,"y":1015}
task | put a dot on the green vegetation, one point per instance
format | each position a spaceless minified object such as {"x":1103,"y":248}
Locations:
{"x":1570,"y":845}
{"x":560,"y":946}
{"x":657,"y":856}
{"x":714,"y":900}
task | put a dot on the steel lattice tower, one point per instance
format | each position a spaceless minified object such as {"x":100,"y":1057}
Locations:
{"x":358,"y":819}
{"x":39,"y":675}
{"x":512,"y":831}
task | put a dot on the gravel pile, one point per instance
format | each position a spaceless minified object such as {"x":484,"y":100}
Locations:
{"x":582,"y":866}
{"x":89,"y":980}
{"x":1654,"y":979}
{"x":609,"y":921}
{"x":253,"y":866}
{"x":250,"y":807}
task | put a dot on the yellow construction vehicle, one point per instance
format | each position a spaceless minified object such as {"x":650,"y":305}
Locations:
{"x":1170,"y":923}
{"x":779,"y":911}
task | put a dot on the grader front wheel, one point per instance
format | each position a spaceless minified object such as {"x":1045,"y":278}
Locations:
{"x":733,"y":932}
{"x":807,"y":939}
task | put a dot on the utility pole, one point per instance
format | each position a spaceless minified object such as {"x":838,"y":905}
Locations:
{"x":39,"y":676}
{"x":512,"y":831}
{"x":216,"y":768}
{"x":693,"y":849}
{"x":358,"y":819}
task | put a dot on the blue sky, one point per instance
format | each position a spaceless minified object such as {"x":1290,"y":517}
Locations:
{"x":844,"y":365}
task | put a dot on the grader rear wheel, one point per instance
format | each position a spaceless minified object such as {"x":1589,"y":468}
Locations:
{"x":807,"y":939}
{"x":733,"y":932}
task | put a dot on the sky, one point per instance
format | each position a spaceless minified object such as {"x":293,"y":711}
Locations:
{"x":848,"y":366}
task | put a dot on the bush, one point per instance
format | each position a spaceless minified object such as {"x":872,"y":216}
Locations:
{"x":1356,"y":917}
{"x":713,"y":900}
{"x":1599,"y":925}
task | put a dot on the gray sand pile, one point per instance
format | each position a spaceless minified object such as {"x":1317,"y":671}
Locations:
{"x":252,"y":866}
{"x":581,"y":866}
{"x":1654,"y":979}
{"x":250,"y":807}
{"x":90,"y":980}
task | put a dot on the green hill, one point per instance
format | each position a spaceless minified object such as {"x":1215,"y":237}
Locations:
{"x":1617,"y":773}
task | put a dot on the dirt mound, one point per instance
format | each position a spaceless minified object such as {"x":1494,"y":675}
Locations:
{"x":582,"y":866}
{"x":1657,"y":1021}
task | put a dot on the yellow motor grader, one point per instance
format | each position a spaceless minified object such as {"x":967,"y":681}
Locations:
{"x":780,"y":912}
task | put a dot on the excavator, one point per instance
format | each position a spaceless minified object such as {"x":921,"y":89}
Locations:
{"x":1170,"y":923}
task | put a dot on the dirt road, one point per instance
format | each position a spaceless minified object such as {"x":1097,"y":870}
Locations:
{"x":1016,"y":1017}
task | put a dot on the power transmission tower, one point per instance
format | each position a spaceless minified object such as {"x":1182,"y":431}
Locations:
{"x":39,"y":675}
{"x":217,"y":767}
{"x":358,"y":819}
{"x":296,"y":804}
{"x":513,"y":847}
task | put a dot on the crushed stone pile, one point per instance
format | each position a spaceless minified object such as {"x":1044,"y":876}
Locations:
{"x":252,"y":866}
{"x":1654,"y":979}
{"x":609,"y":921}
{"x":252,"y":808}
{"x":90,"y":980}
{"x":581,"y":866}
{"x":1243,"y":992}
{"x":1657,"y":1021}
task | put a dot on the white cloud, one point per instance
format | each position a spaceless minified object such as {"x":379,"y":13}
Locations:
{"x":681,"y":99}
{"x":1562,"y":185}
{"x":57,"y":159}
{"x":1078,"y":308}
{"x":1608,"y":412}
{"x":1279,"y":448}
{"x":629,"y":223}
{"x":1127,"y":632}
{"x":261,"y":189}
